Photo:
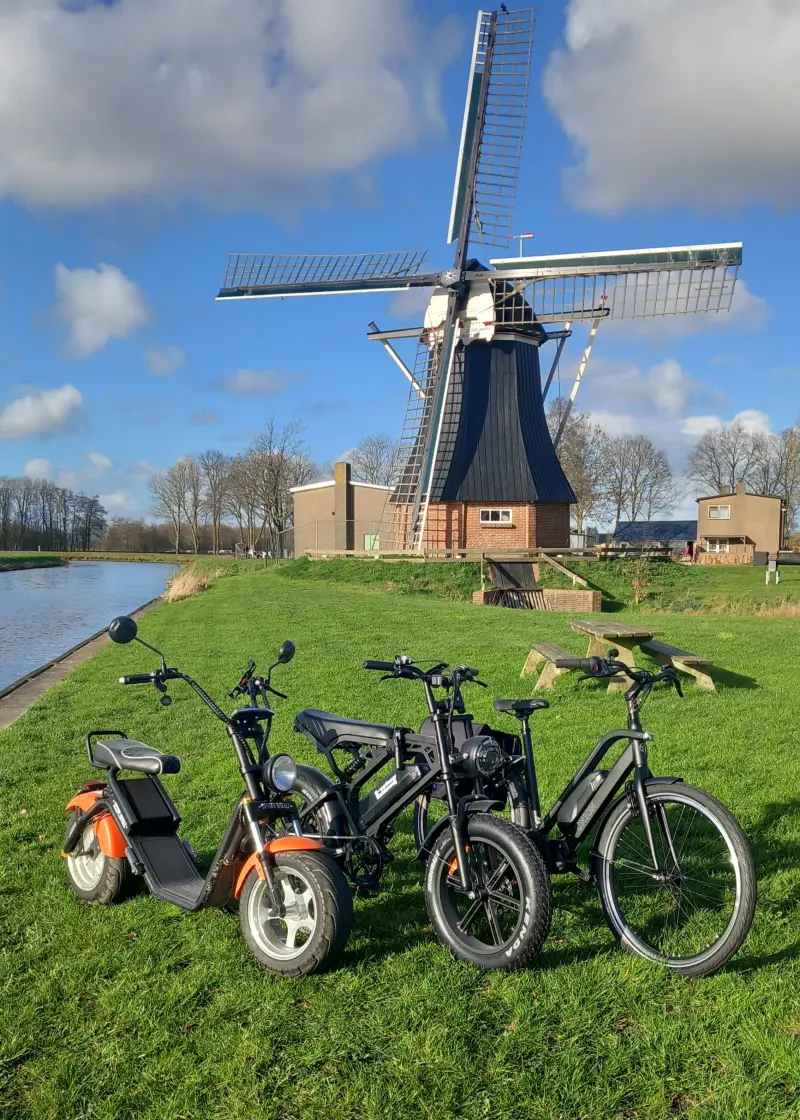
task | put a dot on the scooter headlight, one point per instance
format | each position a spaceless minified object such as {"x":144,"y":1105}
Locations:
{"x":481,"y":755}
{"x":280,"y":773}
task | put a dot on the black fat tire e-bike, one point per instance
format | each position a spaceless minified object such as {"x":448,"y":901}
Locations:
{"x":672,"y":866}
{"x":295,"y":905}
{"x":486,"y":887}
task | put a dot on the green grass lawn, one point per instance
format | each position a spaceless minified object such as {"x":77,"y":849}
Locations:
{"x":141,"y":1010}
{"x":15,"y":561}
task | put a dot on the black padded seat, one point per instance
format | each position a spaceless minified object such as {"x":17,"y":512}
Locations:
{"x":328,"y":729}
{"x":520,"y":707}
{"x":128,"y":754}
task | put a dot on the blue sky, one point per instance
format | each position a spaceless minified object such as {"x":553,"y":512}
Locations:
{"x":117,"y":215}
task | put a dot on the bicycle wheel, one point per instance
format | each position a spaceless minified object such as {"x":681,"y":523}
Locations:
{"x":507,"y":920}
{"x":694,"y":914}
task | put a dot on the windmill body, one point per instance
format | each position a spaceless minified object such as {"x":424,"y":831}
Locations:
{"x":476,"y":465}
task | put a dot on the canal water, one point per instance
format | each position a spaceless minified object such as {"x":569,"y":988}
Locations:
{"x":46,"y":611}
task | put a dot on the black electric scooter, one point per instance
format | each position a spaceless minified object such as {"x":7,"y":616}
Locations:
{"x":295,"y":904}
{"x":486,"y":886}
{"x":672,"y":866}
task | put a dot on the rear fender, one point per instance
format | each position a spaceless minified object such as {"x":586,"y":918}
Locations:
{"x":474,"y":805}
{"x":109,"y":837}
{"x":274,"y":847}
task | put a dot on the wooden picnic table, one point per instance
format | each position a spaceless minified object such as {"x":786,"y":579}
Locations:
{"x":605,"y":635}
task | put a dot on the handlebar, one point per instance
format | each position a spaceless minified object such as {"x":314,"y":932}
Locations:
{"x":601,"y":667}
{"x":590,"y":665}
{"x":138,"y":678}
{"x":380,"y":666}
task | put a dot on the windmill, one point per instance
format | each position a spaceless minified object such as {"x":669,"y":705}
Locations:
{"x":475,"y":433}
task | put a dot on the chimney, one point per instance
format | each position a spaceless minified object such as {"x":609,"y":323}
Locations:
{"x":724,"y":491}
{"x":740,"y":488}
{"x":343,"y":506}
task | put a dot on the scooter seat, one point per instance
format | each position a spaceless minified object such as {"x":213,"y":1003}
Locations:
{"x":328,"y":730}
{"x":128,"y":754}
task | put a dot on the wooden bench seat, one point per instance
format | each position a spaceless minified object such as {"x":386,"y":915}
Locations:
{"x":689,"y":663}
{"x":547,"y":652}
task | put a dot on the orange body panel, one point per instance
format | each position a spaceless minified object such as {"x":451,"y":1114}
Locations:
{"x":111,"y":841}
{"x":281,"y":844}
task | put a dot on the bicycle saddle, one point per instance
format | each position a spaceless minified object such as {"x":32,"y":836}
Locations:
{"x":520,"y":707}
{"x":128,"y":754}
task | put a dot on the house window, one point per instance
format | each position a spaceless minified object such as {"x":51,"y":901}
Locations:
{"x":718,"y":545}
{"x":496,"y":517}
{"x":370,"y":542}
{"x":719,"y":513}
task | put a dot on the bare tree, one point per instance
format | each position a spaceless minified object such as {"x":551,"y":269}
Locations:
{"x":723,"y":457}
{"x":194,"y":503}
{"x":639,"y":479}
{"x":278,"y":462}
{"x":216,"y":468}
{"x":582,"y":453}
{"x":373,"y":459}
{"x":777,"y":470}
{"x":169,"y":498}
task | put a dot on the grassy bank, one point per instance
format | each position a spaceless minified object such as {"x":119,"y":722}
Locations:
{"x":142,"y":1010}
{"x":16,"y":561}
{"x":668,"y":586}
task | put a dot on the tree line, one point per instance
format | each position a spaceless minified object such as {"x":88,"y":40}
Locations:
{"x":35,"y":513}
{"x":628,"y":478}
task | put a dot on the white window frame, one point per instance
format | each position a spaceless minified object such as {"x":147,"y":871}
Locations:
{"x":718,"y":545}
{"x":719,"y":513}
{"x":375,"y":538}
{"x":504,"y":518}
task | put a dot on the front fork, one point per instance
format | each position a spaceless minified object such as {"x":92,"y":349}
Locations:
{"x":640,"y":773}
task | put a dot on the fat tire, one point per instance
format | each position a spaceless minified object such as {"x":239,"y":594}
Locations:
{"x":533,"y":879}
{"x":115,"y":879}
{"x":733,"y":938}
{"x":310,"y":784}
{"x":333,"y":901}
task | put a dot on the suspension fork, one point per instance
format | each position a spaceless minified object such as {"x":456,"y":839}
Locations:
{"x":457,"y":826}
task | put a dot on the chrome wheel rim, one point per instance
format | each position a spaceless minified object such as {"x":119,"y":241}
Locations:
{"x":87,"y":862}
{"x":284,"y":936}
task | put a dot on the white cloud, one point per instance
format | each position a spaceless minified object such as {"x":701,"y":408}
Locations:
{"x":750,"y":418}
{"x":664,"y":391}
{"x":165,"y":361}
{"x":257,"y":383}
{"x":39,"y":468}
{"x":671,"y":102}
{"x":96,"y":305}
{"x":410,"y":304}
{"x":204,"y":416}
{"x":251,"y":103}
{"x":40,"y":413}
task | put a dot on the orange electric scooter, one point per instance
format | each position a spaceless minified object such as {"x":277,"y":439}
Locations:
{"x":295,"y":905}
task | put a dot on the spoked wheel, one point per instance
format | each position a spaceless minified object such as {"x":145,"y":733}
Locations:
{"x":431,"y":806}
{"x":694,"y":914}
{"x":94,"y":876}
{"x":507,"y":922}
{"x":316,"y":920}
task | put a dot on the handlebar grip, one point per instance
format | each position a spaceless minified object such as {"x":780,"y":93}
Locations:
{"x":381,"y":666}
{"x":583,"y":664}
{"x":138,"y":678}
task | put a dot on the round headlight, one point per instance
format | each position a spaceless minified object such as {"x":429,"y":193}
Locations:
{"x":280,"y":772}
{"x":481,"y":755}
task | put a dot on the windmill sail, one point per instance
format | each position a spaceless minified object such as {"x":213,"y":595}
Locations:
{"x":253,"y":275}
{"x":492,"y":128}
{"x":625,"y":284}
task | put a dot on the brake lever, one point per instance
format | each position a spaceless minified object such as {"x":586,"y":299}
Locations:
{"x":483,"y":684}
{"x":678,"y":688}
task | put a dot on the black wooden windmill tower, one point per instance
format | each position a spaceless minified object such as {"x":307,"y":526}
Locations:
{"x":477,"y":466}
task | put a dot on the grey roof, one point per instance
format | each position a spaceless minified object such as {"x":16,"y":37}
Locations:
{"x":656,"y":531}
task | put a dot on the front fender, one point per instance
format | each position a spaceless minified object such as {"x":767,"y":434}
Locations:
{"x":280,"y":844}
{"x":466,"y":805}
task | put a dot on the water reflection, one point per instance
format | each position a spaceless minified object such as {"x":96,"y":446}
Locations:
{"x":45,"y":611}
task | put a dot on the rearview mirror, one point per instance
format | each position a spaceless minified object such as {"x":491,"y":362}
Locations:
{"x":122,"y":630}
{"x":285,"y":653}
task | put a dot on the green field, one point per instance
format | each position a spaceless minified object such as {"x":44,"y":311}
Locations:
{"x":143,"y":1011}
{"x":669,"y":586}
{"x":16,"y":561}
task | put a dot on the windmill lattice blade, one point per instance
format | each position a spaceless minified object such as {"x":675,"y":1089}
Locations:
{"x":634,"y":284}
{"x":274,"y":274}
{"x":503,"y":126}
